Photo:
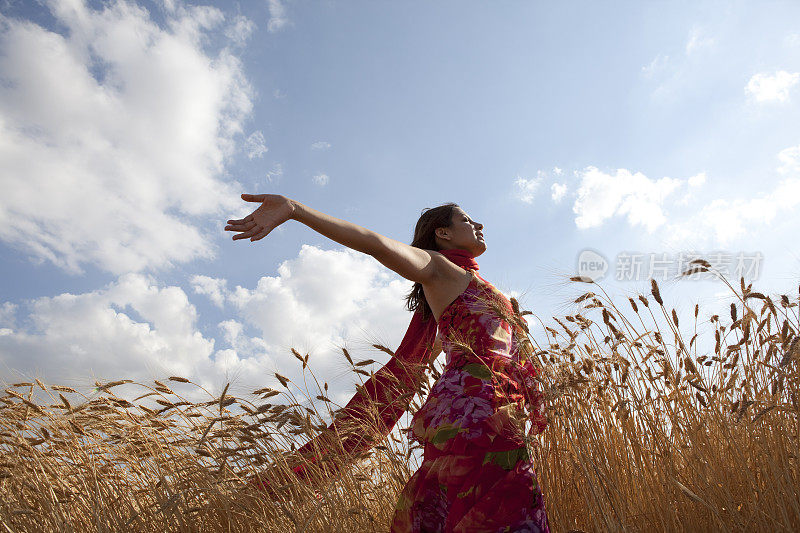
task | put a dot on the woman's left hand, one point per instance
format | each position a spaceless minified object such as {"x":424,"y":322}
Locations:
{"x":273,"y":211}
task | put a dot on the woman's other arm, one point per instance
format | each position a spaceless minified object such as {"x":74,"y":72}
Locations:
{"x":409,"y":262}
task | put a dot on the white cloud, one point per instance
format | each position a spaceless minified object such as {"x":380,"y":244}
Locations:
{"x":722,"y":221}
{"x":277,"y":15}
{"x":716,"y":222}
{"x":240,"y":343}
{"x":321,"y":179}
{"x":255,"y":145}
{"x":7,"y":314}
{"x":214,"y":288}
{"x":697,"y":180}
{"x":275,"y":173}
{"x":230,"y":328}
{"x":321,"y":145}
{"x":694,"y":182}
{"x":138,"y":329}
{"x":697,"y":41}
{"x":106,"y":126}
{"x":240,"y":30}
{"x":657,"y":65}
{"x":324,"y":297}
{"x":602,"y":196}
{"x":764,"y":87}
{"x":317,"y":302}
{"x":792,"y":40}
{"x":557,"y":191}
{"x":526,"y":188}
{"x":789,"y":160}
{"x":131,"y":329}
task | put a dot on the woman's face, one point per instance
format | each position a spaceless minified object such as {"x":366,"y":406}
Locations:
{"x":463,"y":233}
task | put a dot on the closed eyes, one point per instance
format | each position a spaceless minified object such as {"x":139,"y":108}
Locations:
{"x":471,"y":222}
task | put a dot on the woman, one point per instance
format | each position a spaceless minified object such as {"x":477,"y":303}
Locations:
{"x":476,"y":473}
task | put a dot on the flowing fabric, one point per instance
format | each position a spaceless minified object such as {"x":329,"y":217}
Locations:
{"x":379,"y":403}
{"x":389,"y":391}
{"x":476,"y":473}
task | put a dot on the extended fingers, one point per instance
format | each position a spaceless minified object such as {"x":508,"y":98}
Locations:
{"x":244,"y":226}
{"x":248,"y":218}
{"x":248,"y":233}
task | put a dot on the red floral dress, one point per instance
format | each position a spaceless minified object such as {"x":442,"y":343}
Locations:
{"x":476,"y":473}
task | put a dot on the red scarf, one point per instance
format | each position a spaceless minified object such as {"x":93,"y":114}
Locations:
{"x":398,"y":377}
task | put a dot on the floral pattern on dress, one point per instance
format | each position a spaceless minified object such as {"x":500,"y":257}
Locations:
{"x":476,"y":474}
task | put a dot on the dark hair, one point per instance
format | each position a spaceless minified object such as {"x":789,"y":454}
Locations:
{"x":425,"y":238}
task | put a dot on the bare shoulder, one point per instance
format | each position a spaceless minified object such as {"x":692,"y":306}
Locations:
{"x":445,"y":270}
{"x":450,"y":281}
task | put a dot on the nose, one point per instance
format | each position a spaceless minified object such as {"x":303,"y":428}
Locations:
{"x":479,"y":226}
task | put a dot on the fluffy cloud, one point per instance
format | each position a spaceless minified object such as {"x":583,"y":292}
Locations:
{"x":320,"y":300}
{"x":697,"y":180}
{"x":717,"y":222}
{"x":723,"y":220}
{"x":131,"y":329}
{"x":557,"y":191}
{"x":694,"y":183}
{"x":321,"y":145}
{"x":277,"y":15}
{"x":255,"y":145}
{"x":136,"y":328}
{"x":317,"y":302}
{"x":240,"y":30}
{"x":7,"y":314}
{"x":790,"y":161}
{"x":526,"y":188}
{"x":321,"y":179}
{"x":115,"y":132}
{"x":214,"y":288}
{"x":764,"y":87}
{"x":602,"y":196}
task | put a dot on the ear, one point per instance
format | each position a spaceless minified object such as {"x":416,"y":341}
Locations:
{"x":441,"y":233}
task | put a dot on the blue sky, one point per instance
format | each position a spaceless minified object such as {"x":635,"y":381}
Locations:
{"x":128,"y":130}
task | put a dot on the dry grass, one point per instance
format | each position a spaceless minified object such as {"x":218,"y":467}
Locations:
{"x":648,"y":432}
{"x":651,"y":432}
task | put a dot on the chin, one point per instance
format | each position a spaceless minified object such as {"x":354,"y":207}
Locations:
{"x":479,"y":249}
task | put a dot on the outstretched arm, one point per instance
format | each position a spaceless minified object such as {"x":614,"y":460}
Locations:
{"x":383,"y":398}
{"x":409,"y":262}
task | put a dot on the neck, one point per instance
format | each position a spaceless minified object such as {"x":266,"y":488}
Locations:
{"x":462,"y":258}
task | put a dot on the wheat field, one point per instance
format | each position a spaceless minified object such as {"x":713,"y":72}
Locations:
{"x":656,"y":423}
